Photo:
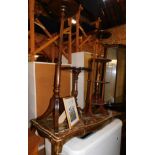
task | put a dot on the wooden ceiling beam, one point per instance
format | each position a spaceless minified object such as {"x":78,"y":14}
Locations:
{"x":77,"y":28}
{"x":82,"y":30}
{"x":32,"y":30}
{"x":37,"y":22}
{"x":70,"y":41}
{"x":88,"y":37}
{"x":53,"y":39}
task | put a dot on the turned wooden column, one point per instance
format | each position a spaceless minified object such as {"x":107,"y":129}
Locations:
{"x":57,"y":78}
{"x":56,"y":148}
{"x":75,"y":74}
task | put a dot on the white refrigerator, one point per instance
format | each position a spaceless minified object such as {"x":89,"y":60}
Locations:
{"x":106,"y":141}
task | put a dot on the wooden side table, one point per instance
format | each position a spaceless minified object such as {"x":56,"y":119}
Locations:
{"x":33,"y":142}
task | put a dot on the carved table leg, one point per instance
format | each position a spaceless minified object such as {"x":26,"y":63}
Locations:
{"x":56,"y":148}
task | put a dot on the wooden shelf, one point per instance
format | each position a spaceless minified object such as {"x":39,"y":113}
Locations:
{"x":98,"y":82}
{"x":75,"y":68}
{"x":101,"y":60}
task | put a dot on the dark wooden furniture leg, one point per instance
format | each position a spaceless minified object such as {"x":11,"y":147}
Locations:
{"x":75,"y":74}
{"x":56,"y":148}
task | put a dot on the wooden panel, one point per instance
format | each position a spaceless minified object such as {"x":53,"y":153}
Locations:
{"x":121,"y":71}
{"x":44,"y":85}
{"x":118,"y":35}
{"x":32,"y":30}
{"x":87,"y":56}
{"x":111,"y":74}
{"x":33,"y":143}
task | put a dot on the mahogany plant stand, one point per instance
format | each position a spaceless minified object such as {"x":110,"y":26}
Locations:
{"x":63,"y":9}
{"x":75,"y":75}
{"x":97,"y":65}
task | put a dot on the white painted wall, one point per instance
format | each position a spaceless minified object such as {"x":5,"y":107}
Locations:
{"x":31,"y":92}
{"x":78,"y":60}
{"x":64,"y":60}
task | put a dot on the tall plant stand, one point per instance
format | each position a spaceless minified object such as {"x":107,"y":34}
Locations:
{"x":75,"y":75}
{"x":98,"y":96}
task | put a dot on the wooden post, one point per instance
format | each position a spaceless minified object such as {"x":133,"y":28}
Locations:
{"x":52,"y":53}
{"x":49,"y":42}
{"x":97,"y":40}
{"x":88,"y":107}
{"x":88,"y":37}
{"x":70,"y":41}
{"x":82,"y":30}
{"x":32,"y":30}
{"x":37,"y":22}
{"x":77,"y":28}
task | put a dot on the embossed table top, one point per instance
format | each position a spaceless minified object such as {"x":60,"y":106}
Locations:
{"x":85,"y":125}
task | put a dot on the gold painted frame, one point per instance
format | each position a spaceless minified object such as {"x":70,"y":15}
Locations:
{"x":71,"y":111}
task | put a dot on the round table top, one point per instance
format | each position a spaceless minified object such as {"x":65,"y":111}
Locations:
{"x":70,"y":7}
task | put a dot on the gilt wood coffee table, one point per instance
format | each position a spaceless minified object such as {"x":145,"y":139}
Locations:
{"x":86,"y":125}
